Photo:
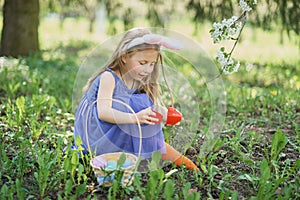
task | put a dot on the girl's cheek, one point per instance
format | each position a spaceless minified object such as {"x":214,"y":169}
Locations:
{"x":139,"y":68}
{"x":150,"y":69}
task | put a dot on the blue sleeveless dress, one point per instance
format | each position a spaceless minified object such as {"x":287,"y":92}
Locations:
{"x":105,"y":137}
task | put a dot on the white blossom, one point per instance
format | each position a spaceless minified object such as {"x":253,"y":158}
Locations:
{"x":230,"y":69}
{"x":244,"y":6}
{"x":226,"y":29}
{"x":221,"y":58}
{"x":236,"y":67}
{"x":227,"y":64}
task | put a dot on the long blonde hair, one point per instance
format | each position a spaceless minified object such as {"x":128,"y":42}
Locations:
{"x":150,"y":85}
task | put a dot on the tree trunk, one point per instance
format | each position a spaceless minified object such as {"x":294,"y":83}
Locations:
{"x":20,"y":27}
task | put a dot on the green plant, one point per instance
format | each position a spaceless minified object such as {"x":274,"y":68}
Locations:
{"x":265,"y":186}
{"x":279,"y":141}
{"x":45,"y":162}
{"x":6,"y":192}
{"x":169,"y":190}
{"x":20,"y":190}
{"x":274,"y":174}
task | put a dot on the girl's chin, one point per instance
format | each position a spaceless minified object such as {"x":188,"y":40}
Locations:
{"x":140,"y":78}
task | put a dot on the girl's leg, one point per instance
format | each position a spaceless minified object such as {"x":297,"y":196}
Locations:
{"x":177,"y":158}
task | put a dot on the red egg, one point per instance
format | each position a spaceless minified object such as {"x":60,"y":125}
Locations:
{"x":158,"y":116}
{"x":173,"y":116}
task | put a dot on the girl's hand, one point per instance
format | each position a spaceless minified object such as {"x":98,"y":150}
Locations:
{"x":162,"y":110}
{"x":147,"y":116}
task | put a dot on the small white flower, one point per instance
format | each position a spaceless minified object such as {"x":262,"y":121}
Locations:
{"x":230,"y":62}
{"x":249,"y":67}
{"x":221,"y":58}
{"x":225,"y":29}
{"x":236,"y":67}
{"x":220,"y":54}
{"x":227,"y":64}
{"x":244,"y":6}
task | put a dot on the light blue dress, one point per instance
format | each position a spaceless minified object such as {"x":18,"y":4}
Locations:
{"x":105,"y":137}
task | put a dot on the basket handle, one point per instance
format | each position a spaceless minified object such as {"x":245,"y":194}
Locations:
{"x":127,"y":106}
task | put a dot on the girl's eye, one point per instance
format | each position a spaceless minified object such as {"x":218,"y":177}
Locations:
{"x":143,"y":62}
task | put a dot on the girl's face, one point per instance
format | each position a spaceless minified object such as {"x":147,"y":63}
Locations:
{"x":140,"y":64}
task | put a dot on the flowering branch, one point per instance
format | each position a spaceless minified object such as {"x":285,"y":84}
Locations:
{"x":226,"y":30}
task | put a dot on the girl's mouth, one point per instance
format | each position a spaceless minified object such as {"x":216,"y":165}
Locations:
{"x":142,"y":75}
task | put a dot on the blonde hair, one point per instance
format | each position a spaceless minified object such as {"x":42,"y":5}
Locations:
{"x":150,"y":84}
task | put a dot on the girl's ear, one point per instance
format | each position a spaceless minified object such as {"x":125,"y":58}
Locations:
{"x":123,"y":59}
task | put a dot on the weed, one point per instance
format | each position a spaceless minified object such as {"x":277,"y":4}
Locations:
{"x":255,"y":156}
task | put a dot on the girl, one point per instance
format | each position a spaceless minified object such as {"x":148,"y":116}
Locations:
{"x":130,"y":76}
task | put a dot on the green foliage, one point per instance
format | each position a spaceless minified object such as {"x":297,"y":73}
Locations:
{"x":45,"y":162}
{"x":265,"y":185}
{"x":121,"y":160}
{"x":278,"y":144}
{"x":169,"y":190}
{"x":156,"y":158}
{"x":256,"y":156}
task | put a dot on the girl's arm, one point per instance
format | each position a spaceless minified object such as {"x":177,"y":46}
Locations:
{"x":111,"y":115}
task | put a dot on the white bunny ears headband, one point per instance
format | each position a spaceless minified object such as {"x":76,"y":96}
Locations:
{"x":169,"y":43}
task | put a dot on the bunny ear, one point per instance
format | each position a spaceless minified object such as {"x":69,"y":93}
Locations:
{"x":152,"y":38}
{"x":171,"y":43}
{"x":163,"y":41}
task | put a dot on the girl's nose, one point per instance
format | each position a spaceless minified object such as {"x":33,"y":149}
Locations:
{"x":148,"y":68}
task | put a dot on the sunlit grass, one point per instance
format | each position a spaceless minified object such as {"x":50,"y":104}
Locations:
{"x":51,"y":34}
{"x":256,"y":45}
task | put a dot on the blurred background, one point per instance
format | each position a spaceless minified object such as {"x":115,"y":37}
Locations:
{"x":272,"y":30}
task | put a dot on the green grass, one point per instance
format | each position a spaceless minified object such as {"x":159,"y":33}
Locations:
{"x":255,"y":156}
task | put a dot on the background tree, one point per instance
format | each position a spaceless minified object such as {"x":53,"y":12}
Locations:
{"x":153,"y":14}
{"x":63,"y":8}
{"x":21,"y":17}
{"x":268,"y":15}
{"x":90,"y":7}
{"x":20,"y":27}
{"x":112,"y":11}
